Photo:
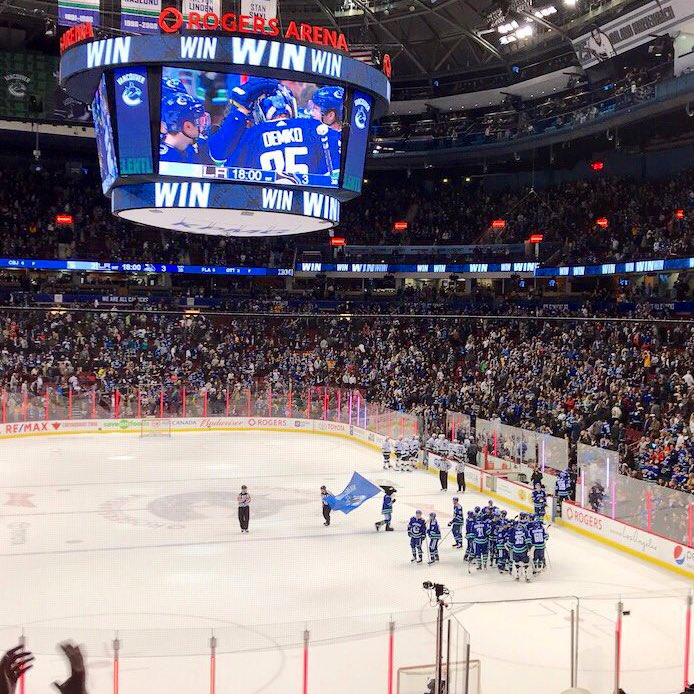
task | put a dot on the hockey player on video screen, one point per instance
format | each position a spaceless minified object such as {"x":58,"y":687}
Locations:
{"x":185,"y":129}
{"x":327,"y":106}
{"x":184,"y":123}
{"x":278,"y":140}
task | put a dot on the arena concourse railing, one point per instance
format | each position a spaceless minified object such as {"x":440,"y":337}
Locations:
{"x":620,"y":97}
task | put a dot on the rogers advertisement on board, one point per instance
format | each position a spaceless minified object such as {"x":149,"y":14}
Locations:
{"x":664,"y":551}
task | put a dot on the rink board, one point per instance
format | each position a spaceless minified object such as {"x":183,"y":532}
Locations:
{"x":628,"y":538}
{"x":646,"y":546}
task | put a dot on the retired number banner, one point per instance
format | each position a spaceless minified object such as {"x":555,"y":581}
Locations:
{"x":140,"y":16}
{"x":201,"y":7}
{"x":72,"y":12}
{"x":267,"y":9}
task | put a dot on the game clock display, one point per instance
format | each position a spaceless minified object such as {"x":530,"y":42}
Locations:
{"x":234,"y":127}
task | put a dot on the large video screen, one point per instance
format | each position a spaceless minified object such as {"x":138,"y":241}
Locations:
{"x":105,"y":146}
{"x":226,"y":126}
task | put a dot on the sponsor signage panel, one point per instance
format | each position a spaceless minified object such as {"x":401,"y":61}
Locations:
{"x":659,"y":549}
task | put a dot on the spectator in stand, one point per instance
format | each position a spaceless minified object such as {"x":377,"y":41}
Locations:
{"x":17,"y":662}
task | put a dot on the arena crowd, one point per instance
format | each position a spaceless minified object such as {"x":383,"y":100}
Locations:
{"x":642,"y":217}
{"x":626,"y":386}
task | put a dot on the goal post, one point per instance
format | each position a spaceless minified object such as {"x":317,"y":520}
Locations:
{"x":464,"y":678}
{"x":155,"y":427}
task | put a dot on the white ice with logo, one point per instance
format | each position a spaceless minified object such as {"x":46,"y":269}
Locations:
{"x":106,"y":532}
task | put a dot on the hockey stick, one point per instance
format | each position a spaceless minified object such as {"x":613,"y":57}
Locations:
{"x":322,"y":131}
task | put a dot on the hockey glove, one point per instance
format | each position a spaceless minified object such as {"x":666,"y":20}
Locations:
{"x":245,"y":95}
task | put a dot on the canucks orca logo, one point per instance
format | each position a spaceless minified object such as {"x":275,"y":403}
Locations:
{"x":132,"y":95}
{"x":17,"y":85}
{"x":133,"y":84}
{"x":355,"y":500}
{"x":362,"y":108}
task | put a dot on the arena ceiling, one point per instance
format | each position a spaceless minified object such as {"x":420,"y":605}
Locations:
{"x":425,"y":38}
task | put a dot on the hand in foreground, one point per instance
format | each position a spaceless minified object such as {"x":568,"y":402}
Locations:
{"x":12,"y":666}
{"x":76,"y":683}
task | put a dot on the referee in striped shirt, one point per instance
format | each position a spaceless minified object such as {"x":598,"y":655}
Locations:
{"x":244,"y":500}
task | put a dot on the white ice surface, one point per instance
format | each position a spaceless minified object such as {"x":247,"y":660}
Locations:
{"x":103,"y":533}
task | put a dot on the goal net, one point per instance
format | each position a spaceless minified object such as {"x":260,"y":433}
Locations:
{"x":421,"y":679}
{"x":155,"y":427}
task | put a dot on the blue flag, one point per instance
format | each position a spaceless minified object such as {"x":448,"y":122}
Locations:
{"x":353,"y":495}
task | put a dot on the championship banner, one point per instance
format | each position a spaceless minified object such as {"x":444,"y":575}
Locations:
{"x":140,"y":16}
{"x":267,"y":9}
{"x":73,"y":12}
{"x":353,"y":495}
{"x":201,"y":7}
{"x":632,"y":29}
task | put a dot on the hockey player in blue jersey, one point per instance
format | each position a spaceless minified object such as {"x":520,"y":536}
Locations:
{"x":495,"y":521}
{"x":185,"y":125}
{"x":434,"y":533}
{"x":563,"y":488}
{"x":501,"y":546}
{"x":469,"y":536}
{"x":327,"y":106}
{"x":538,"y":538}
{"x":482,"y":530}
{"x":386,"y":512}
{"x":539,"y":496}
{"x":278,"y":140}
{"x":456,"y":523}
{"x":185,"y":122}
{"x":417,"y":530}
{"x":520,"y":544}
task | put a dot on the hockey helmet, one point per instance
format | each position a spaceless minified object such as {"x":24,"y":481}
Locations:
{"x":330,"y":99}
{"x":179,"y":108}
{"x":275,"y":106}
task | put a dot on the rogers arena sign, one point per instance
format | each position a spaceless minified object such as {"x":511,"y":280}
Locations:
{"x":73,"y":35}
{"x":172,"y":20}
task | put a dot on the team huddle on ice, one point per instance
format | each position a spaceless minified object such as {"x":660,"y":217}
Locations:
{"x":492,"y":538}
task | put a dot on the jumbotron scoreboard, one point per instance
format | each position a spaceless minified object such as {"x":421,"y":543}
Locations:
{"x":247,"y":132}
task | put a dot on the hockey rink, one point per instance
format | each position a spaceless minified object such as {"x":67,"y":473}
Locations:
{"x":116,"y":533}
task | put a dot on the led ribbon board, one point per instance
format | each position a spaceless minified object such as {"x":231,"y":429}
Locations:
{"x":81,"y":65}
